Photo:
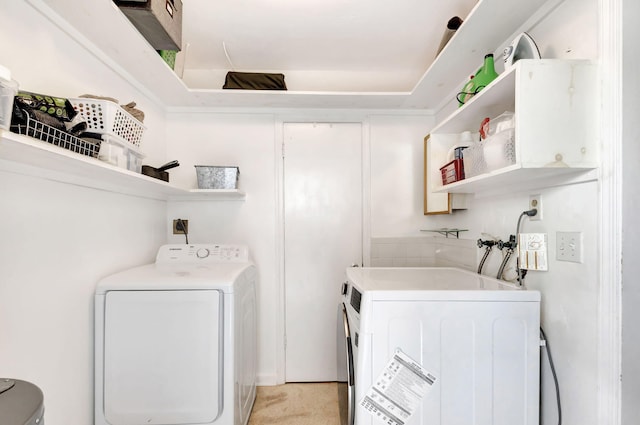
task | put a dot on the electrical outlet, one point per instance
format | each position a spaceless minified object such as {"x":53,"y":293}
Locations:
{"x":569,"y":246}
{"x":180,"y":231}
{"x":535,"y":201}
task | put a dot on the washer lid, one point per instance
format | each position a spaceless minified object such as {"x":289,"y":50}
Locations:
{"x":433,"y":283}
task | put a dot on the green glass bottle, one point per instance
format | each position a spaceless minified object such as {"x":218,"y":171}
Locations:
{"x":486,"y":74}
{"x":483,"y":77}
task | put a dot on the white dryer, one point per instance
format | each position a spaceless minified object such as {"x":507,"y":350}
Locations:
{"x":175,"y":341}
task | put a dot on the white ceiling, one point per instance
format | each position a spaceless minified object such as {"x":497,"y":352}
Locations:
{"x":326,"y":45}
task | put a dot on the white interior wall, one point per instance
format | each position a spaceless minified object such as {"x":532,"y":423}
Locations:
{"x":570,"y":32}
{"x":631,"y":206}
{"x":58,"y":240}
{"x":246,"y":141}
{"x":397,"y":172}
{"x":424,"y":251}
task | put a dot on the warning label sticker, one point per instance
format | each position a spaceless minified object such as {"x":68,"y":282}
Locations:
{"x":398,"y":391}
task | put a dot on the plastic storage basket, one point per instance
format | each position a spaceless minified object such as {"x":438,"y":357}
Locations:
{"x":474,"y":163}
{"x":106,"y":117}
{"x":116,"y":152}
{"x":499,"y":150}
{"x":8,"y":90}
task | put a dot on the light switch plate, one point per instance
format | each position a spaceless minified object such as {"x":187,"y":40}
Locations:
{"x":569,"y":246}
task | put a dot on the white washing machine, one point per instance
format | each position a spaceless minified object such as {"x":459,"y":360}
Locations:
{"x":175,"y":341}
{"x":478,"y":336}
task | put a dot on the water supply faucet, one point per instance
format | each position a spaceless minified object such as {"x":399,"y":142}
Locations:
{"x":489,"y":244}
{"x":510,"y":246}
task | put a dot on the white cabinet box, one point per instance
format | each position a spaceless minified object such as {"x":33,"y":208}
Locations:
{"x":556,"y":134}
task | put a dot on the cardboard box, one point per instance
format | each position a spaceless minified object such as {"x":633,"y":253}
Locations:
{"x":159,"y":21}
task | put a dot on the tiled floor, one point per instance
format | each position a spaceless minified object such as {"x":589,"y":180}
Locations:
{"x":297,"y":404}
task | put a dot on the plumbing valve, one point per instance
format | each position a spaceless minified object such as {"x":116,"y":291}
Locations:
{"x":509,"y":245}
{"x":487,"y":243}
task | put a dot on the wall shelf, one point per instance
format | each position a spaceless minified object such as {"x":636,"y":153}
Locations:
{"x":210,"y":194}
{"x":555,"y":137}
{"x":446,"y":232}
{"x":25,"y":155}
{"x":515,"y":178}
{"x":129,"y":54}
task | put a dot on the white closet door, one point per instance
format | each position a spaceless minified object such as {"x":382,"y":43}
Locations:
{"x":323,"y":236}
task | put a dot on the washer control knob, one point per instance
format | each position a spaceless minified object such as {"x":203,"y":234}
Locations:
{"x":202,"y":253}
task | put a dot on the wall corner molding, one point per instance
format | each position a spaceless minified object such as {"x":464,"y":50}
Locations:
{"x":609,"y":297}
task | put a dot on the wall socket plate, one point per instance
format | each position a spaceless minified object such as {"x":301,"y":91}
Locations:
{"x":569,"y":246}
{"x":180,"y":232}
{"x":535,"y":201}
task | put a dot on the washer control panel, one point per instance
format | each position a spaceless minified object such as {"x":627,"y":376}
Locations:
{"x":202,"y":253}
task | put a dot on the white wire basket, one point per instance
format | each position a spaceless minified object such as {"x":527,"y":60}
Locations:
{"x":56,"y":137}
{"x":106,"y":117}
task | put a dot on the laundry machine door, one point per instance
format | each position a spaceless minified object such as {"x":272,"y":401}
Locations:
{"x":162,"y":357}
{"x":346,"y":390}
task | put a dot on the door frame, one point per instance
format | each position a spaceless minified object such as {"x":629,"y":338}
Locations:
{"x":336,"y":117}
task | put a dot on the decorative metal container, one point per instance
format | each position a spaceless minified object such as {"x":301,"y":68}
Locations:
{"x":217,"y":177}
